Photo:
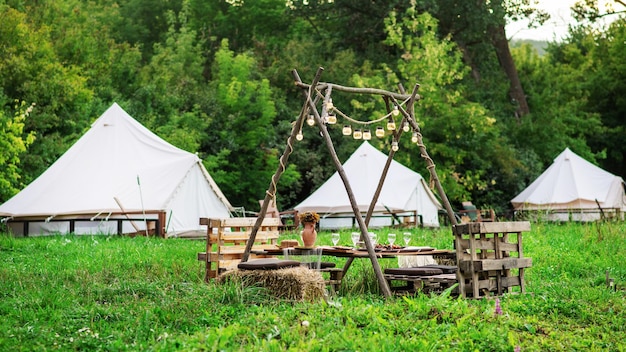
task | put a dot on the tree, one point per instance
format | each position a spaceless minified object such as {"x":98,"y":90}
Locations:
{"x":13,"y":142}
{"x":31,"y":71}
{"x":478,"y":29}
{"x":172,"y":95}
{"x":472,"y":157}
{"x":592,"y":63}
{"x":557,"y":87}
{"x":237,"y":150}
{"x":607,"y":86}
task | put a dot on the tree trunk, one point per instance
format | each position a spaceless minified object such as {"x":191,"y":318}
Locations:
{"x":516,"y":93}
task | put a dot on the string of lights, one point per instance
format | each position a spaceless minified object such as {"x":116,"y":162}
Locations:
{"x":329,"y":117}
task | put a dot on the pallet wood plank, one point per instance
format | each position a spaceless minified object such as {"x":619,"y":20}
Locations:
{"x":495,"y":264}
{"x":491,"y":227}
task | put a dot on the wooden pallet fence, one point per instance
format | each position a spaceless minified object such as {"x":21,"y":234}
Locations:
{"x":226,"y":242}
{"x":490,"y":258}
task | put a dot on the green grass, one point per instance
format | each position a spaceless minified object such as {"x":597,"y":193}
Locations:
{"x":128,"y":294}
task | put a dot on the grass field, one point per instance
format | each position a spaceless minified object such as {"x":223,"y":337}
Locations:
{"x":147,"y":294}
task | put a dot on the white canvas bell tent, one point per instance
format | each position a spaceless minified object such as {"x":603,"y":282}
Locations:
{"x":573,"y":189}
{"x":116,"y":172}
{"x":404,"y":191}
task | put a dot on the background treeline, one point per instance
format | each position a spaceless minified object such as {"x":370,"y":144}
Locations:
{"x":214,"y":77}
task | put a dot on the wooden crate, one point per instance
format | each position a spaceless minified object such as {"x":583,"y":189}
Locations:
{"x":490,"y":258}
{"x":226,"y":242}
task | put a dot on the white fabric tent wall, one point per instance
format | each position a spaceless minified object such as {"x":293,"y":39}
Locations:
{"x":118,"y":163}
{"x":569,"y":189}
{"x":403,"y":190}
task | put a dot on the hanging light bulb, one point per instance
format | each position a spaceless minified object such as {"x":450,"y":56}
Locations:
{"x":391,"y":125}
{"x":414,"y":137}
{"x":380,"y":132}
{"x":331,"y":119}
{"x":367,"y":135}
{"x":310,"y":120}
{"x":394,"y":146}
{"x":395,"y":110}
{"x":347,"y":130}
{"x":406,"y":127}
{"x":357,"y":134}
{"x":299,"y":136}
{"x":329,"y":104}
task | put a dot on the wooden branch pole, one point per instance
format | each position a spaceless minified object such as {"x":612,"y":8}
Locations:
{"x":372,"y":91}
{"x":315,"y":89}
{"x":384,"y":286}
{"x":281,"y":168}
{"x":381,"y":182}
{"x":429,"y":162}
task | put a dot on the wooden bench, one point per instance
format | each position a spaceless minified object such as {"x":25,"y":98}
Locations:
{"x":424,"y":284}
{"x":226,"y":242}
{"x":425,"y":279}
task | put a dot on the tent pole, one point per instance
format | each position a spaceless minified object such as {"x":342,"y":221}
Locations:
{"x":119,"y":203}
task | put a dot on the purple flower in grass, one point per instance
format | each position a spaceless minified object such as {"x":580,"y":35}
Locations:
{"x":498,"y":308}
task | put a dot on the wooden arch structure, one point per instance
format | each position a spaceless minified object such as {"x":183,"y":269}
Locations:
{"x":318,"y":92}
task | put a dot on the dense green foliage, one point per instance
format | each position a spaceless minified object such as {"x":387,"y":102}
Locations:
{"x":102,"y":293}
{"x":214,"y":77}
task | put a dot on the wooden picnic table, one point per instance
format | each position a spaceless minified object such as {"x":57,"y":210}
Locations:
{"x":348,"y":252}
{"x":352,"y":253}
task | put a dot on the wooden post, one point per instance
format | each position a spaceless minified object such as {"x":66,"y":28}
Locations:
{"x":430,"y":164}
{"x":368,"y":243}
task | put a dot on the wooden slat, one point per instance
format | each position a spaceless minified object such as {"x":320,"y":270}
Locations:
{"x":241,"y":249}
{"x":249,"y":222}
{"x":243,"y":236}
{"x":491,"y":227}
{"x":490,"y":284}
{"x":495,"y":264}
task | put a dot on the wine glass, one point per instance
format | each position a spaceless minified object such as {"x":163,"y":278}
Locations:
{"x":391,"y":238}
{"x":356,"y":236}
{"x":372,"y":238}
{"x":335,"y":238}
{"x":407,"y":238}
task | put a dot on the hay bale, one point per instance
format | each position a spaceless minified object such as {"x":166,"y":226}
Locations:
{"x":297,"y":283}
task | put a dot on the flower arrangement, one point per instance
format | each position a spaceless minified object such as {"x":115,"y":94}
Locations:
{"x":309,"y":216}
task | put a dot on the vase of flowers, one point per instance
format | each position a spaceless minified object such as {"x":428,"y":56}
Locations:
{"x":309,"y":219}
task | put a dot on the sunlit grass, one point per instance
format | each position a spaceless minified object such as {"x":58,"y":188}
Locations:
{"x":122,"y":293}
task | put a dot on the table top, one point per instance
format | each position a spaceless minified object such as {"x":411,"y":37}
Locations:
{"x":343,"y":251}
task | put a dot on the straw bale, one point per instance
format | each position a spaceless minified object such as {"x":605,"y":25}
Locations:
{"x":296,"y":283}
